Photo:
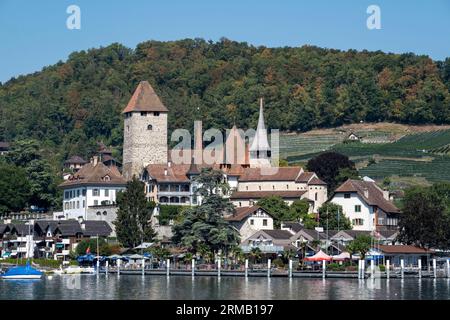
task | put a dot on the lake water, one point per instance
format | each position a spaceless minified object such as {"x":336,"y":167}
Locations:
{"x":91,"y":287}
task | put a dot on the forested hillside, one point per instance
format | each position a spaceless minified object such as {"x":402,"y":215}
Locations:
{"x":69,"y":106}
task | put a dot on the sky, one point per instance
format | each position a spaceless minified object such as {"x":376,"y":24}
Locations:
{"x":34,"y":33}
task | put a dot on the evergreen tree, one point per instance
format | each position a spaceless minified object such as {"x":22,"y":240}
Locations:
{"x":204,"y":226}
{"x":133,"y":223}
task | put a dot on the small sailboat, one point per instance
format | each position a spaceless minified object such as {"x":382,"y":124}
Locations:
{"x":22,"y":272}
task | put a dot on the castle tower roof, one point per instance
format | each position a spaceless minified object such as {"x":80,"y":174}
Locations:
{"x":145,"y":99}
{"x":260,"y":142}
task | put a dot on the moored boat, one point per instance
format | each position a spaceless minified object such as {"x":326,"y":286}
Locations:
{"x":22,"y":272}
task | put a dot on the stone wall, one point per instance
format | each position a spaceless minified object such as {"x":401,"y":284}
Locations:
{"x":141,"y":145}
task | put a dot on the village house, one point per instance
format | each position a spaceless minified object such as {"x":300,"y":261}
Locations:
{"x":366,"y":205}
{"x":4,"y":148}
{"x":91,"y":192}
{"x":248,"y":220}
{"x":74,"y":163}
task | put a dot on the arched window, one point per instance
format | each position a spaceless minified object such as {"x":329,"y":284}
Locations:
{"x":163,"y":199}
{"x":99,"y":213}
{"x":149,"y":127}
{"x":105,"y":213}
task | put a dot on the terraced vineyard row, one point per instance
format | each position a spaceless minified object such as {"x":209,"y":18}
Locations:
{"x":292,"y":145}
{"x":434,"y":171}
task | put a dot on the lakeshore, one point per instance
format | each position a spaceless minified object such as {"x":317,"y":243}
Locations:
{"x":129,"y":287}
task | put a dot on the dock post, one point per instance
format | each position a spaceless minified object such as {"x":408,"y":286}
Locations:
{"x":246,"y":268}
{"x":372,"y":268}
{"x":143,"y":266}
{"x":290,"y":268}
{"x":118,"y":266}
{"x":168,"y":267}
{"x":269,"y":265}
{"x":359,"y":269}
{"x":106,"y":267}
{"x":193,"y":267}
{"x":448,"y":268}
{"x":402,"y":267}
{"x":323,"y":269}
{"x":363,"y":269}
{"x":434,"y":268}
{"x":98,"y":266}
{"x":388,"y":267}
{"x":420,"y":267}
{"x":218,"y":267}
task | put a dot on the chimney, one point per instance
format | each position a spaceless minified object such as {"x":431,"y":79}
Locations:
{"x":386,"y":194}
{"x":94,"y":160}
{"x":165,"y":171}
{"x":81,"y":222}
{"x":366,"y":193}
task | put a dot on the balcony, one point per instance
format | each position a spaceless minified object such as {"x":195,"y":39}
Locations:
{"x":263,"y":248}
{"x":62,"y":252}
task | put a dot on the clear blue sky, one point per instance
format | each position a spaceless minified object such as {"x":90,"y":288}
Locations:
{"x":33,"y":33}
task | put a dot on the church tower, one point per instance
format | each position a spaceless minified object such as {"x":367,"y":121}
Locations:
{"x":145,"y":131}
{"x":260,"y":153}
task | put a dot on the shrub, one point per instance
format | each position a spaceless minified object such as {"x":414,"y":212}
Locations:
{"x":278,"y":263}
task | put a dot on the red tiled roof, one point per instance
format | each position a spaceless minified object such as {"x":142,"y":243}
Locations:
{"x":316,"y":181}
{"x":404,"y":249}
{"x":305,"y":176}
{"x":261,"y":194}
{"x":145,"y":99}
{"x":175,"y":173}
{"x":95,"y":175}
{"x":375,"y":197}
{"x":282,"y":174}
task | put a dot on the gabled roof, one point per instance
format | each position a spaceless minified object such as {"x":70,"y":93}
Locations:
{"x":75,"y":160}
{"x":4,"y":228}
{"x":375,"y":194}
{"x":96,"y":228}
{"x":21,"y":229}
{"x":42,"y":225}
{"x":282,"y":174}
{"x":278,"y":234}
{"x":294,"y":226}
{"x":241,"y":213}
{"x":98,"y":174}
{"x":145,"y":99}
{"x":350,"y":234}
{"x":316,"y":181}
{"x":68,"y":228}
{"x":296,"y":194}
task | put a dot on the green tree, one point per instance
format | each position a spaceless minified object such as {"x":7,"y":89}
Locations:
{"x":14,"y":188}
{"x":425,"y":217}
{"x":276,"y":206}
{"x":329,"y":166}
{"x":133,"y":222}
{"x":331,"y":216}
{"x":299,"y":211}
{"x":43,"y":189}
{"x":103,"y":247}
{"x":204,"y":225}
{"x":361,"y":244}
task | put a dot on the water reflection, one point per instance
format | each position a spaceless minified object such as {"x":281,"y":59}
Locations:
{"x":179,"y":287}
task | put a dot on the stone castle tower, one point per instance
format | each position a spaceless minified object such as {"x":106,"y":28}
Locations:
{"x":145,"y":131}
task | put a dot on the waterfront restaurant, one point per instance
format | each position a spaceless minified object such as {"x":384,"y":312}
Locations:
{"x":410,"y":254}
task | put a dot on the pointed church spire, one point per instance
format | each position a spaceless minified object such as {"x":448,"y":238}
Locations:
{"x":260,"y":142}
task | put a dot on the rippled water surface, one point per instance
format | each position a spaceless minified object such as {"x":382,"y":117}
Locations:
{"x":205,"y":287}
